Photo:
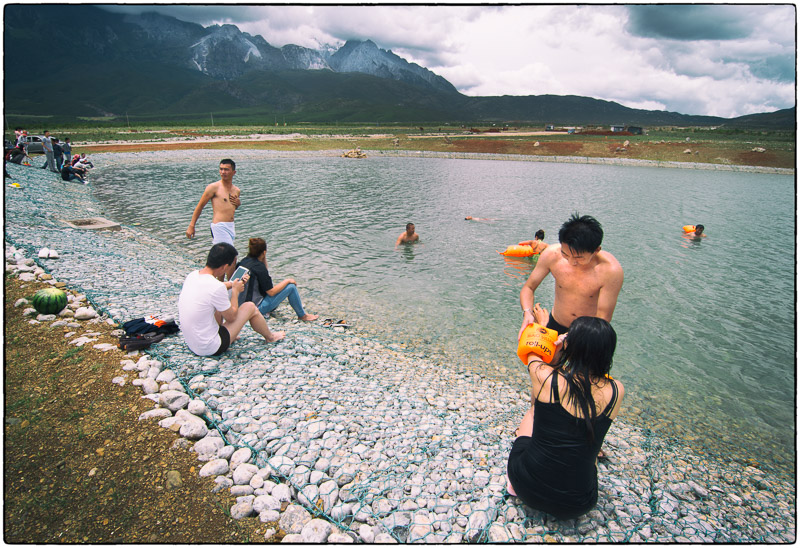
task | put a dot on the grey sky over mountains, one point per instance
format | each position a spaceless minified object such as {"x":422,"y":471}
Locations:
{"x":712,"y":59}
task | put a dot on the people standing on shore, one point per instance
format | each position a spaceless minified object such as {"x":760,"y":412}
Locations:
{"x":552,"y":465}
{"x":211,"y":320}
{"x":537,"y":243}
{"x":409,"y":236}
{"x":260,"y":289}
{"x":47,"y":148}
{"x":67,"y":148}
{"x":58,"y":154}
{"x":588,"y":279}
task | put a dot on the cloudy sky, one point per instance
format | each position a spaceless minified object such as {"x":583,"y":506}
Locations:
{"x":720,"y":60}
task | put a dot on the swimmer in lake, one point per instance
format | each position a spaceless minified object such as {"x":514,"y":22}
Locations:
{"x":698,"y":233}
{"x":537,"y":243}
{"x":408,"y":237}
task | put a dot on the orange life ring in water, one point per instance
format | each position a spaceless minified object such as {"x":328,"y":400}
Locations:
{"x":518,"y":251}
{"x":538,"y":340}
{"x":688,"y":229}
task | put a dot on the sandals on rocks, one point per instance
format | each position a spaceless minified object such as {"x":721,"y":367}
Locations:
{"x":335,"y":323}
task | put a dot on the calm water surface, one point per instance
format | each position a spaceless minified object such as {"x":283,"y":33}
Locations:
{"x":706,"y":329}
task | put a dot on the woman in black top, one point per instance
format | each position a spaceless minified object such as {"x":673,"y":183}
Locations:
{"x":552,"y":466}
{"x":260,"y":289}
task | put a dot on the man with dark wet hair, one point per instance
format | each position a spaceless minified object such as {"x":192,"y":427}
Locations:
{"x":537,"y":243}
{"x":588,"y":279}
{"x":211,"y":319}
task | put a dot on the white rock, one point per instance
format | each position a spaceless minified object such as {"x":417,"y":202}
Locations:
{"x":27,"y":277}
{"x":44,"y":253}
{"x":240,"y":456}
{"x":294,"y":518}
{"x":316,"y":531}
{"x":196,"y":406}
{"x":266,"y":502}
{"x":174,"y":400}
{"x":105,"y":347}
{"x":216,"y":467}
{"x":167,"y":375}
{"x":53,"y":254}
{"x":243,"y":473}
{"x":158,"y":413}
{"x":209,"y":445}
{"x":242,"y":509}
{"x":85,"y":313}
{"x":149,"y":386}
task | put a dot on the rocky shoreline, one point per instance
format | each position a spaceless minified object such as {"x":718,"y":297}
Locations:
{"x":332,"y":437}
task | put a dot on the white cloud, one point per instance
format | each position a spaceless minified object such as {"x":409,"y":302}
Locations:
{"x":591,"y":50}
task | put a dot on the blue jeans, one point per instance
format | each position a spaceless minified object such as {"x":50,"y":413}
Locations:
{"x":268,"y":304}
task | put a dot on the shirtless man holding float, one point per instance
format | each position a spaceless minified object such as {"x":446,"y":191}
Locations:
{"x":588,"y":279}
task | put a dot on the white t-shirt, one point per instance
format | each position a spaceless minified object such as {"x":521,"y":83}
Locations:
{"x":202,"y":294}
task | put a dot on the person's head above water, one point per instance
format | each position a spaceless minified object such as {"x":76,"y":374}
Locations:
{"x":698,"y":229}
{"x":582,"y":234}
{"x":255,"y":247}
{"x":220,"y":255}
{"x":410,"y":228}
{"x":539,"y":234}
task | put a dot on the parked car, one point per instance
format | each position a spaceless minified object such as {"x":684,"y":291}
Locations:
{"x":33,"y":144}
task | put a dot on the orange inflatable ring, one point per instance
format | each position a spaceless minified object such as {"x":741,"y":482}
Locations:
{"x":538,"y":340}
{"x":518,"y":251}
{"x":688,"y":229}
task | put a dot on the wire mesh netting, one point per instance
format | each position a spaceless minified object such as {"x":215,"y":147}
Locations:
{"x":378,"y":440}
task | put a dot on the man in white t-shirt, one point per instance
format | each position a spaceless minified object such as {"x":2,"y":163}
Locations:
{"x":211,"y":319}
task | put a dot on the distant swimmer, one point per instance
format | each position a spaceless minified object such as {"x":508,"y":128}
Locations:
{"x":478,"y":219}
{"x":537,"y":243}
{"x":408,"y":237}
{"x":588,"y":279}
{"x":694,"y":231}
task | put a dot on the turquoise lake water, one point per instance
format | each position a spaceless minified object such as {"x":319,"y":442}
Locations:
{"x":706,"y":329}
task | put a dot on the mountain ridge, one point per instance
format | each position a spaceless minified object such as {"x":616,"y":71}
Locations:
{"x":151,"y":64}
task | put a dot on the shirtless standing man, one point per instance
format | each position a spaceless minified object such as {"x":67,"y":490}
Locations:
{"x":588,"y":279}
{"x":407,"y":237}
{"x":224,"y":196}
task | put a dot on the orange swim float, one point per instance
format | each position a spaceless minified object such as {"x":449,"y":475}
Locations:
{"x":688,"y":229}
{"x":538,"y":340}
{"x":518,"y":251}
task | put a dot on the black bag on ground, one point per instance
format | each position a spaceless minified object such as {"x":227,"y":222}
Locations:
{"x":150,"y":324}
{"x":138,"y":342}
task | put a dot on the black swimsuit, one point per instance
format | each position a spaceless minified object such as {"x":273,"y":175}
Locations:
{"x":554,"y":469}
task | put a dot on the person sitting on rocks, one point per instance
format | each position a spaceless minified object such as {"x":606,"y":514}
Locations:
{"x":260,"y":289}
{"x":552,"y":466}
{"x":70,"y":173}
{"x":211,"y":320}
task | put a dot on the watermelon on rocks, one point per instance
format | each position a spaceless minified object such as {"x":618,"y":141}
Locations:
{"x":49,"y":301}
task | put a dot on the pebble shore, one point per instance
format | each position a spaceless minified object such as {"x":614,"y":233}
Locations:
{"x":333,"y":437}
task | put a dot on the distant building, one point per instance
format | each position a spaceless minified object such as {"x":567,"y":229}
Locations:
{"x":635,"y":130}
{"x":617,"y":128}
{"x":549,"y":127}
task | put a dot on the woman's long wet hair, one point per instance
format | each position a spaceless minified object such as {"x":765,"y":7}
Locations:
{"x":585,"y":359}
